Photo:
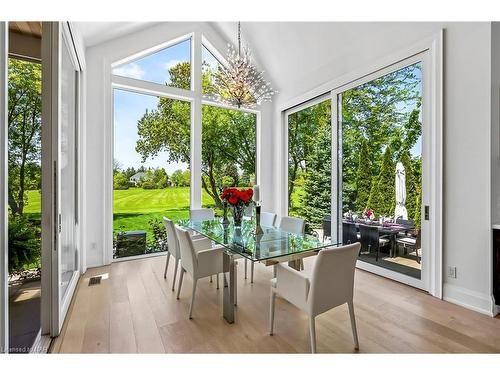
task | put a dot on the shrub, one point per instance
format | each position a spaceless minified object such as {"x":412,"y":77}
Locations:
{"x":159,"y":241}
{"x":24,"y":244}
{"x":148,"y":185}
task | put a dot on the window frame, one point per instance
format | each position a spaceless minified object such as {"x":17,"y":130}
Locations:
{"x":194,"y":96}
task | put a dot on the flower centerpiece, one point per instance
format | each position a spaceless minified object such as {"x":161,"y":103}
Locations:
{"x":238,"y":200}
{"x":368,"y":213}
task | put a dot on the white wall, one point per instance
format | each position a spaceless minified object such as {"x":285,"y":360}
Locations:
{"x":467,"y":140}
{"x":99,"y":122}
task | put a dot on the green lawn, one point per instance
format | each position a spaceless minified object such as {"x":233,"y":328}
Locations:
{"x":135,"y":207}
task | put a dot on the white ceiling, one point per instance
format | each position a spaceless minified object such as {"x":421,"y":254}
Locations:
{"x":287,"y":51}
{"x":94,"y":33}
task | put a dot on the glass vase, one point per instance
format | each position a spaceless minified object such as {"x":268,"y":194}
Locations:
{"x":238,"y":212}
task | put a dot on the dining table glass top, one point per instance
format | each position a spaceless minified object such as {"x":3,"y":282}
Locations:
{"x":272,"y":243}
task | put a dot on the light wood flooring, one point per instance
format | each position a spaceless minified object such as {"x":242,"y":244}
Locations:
{"x":134,"y":310}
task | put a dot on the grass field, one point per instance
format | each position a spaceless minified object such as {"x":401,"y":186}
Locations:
{"x":134,"y":208}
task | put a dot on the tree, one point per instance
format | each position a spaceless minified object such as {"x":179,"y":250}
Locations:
{"x":382,"y":196}
{"x":117,"y":166}
{"x":316,"y":201}
{"x":411,"y":185}
{"x":228,"y":135}
{"x":363,"y":178}
{"x":120,"y":181}
{"x":176,"y":178}
{"x":304,"y":127}
{"x":186,"y":178}
{"x":160,"y":178}
{"x":378,"y":112}
{"x":24,"y":119}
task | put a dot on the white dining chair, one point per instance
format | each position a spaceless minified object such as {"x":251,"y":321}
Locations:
{"x":173,"y":247}
{"x":198,"y":261}
{"x":330,"y":284}
{"x":267,"y":219}
{"x":201,"y":214}
{"x":294,"y":225}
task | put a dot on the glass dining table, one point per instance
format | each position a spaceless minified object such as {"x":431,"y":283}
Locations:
{"x":271,"y":247}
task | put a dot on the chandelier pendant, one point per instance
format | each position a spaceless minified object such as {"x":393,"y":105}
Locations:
{"x":240,"y":83}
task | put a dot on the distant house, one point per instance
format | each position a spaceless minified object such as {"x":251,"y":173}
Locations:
{"x":136,"y":177}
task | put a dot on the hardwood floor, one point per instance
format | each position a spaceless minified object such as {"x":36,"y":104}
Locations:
{"x":134,"y":310}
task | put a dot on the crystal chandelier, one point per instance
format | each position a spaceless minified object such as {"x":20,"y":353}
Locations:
{"x":240,"y":83}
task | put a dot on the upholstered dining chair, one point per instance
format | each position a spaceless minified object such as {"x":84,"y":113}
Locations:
{"x":198,"y":261}
{"x":173,"y":246}
{"x":267,"y":219}
{"x":201,"y":214}
{"x":295,"y":225}
{"x":330,"y":284}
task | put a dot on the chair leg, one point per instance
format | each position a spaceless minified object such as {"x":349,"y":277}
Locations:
{"x":271,"y":313}
{"x":166,"y":265}
{"x":210,"y":278}
{"x":192,"y":299}
{"x":416,"y":252}
{"x":175,"y":272}
{"x":353,"y":325}
{"x":312,"y":332}
{"x":246,"y":266}
{"x":180,"y":282}
{"x":217,"y":276}
{"x":251,"y":271}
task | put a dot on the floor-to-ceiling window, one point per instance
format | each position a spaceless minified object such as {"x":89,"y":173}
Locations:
{"x":151,"y":175}
{"x":153,"y":144}
{"x":309,"y":165}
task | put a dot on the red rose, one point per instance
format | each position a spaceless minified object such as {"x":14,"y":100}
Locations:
{"x":233,"y":199}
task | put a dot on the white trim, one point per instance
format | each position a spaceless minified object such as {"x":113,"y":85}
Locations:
{"x":151,"y":88}
{"x":4,"y":293}
{"x":68,"y":296}
{"x":152,"y":50}
{"x":480,"y":302}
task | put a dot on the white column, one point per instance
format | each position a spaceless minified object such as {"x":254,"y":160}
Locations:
{"x":195,"y":165}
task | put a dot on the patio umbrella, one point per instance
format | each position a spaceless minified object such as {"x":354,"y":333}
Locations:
{"x":400,"y":211}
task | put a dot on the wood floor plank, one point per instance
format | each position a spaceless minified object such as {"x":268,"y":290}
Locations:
{"x":135,"y":310}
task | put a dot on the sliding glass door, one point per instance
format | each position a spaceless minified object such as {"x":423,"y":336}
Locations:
{"x":357,"y":168}
{"x":381,"y":177}
{"x":59,"y":177}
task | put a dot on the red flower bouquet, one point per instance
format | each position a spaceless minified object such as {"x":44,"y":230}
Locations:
{"x":238,"y":199}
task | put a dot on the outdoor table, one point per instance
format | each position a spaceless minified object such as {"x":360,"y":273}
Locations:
{"x":270,"y":248}
{"x":388,"y":229}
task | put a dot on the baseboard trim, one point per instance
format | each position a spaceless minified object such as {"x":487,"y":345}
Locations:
{"x":479,"y":302}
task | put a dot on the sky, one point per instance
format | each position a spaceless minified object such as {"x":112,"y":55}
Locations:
{"x":129,"y":107}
